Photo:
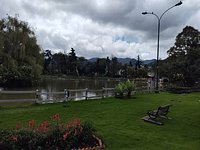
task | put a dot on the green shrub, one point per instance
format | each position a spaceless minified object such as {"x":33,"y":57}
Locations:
{"x":50,"y":135}
{"x":119,"y":90}
{"x":129,"y":87}
{"x":124,"y":88}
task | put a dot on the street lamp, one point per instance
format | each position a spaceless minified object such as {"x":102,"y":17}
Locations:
{"x":159,"y":19}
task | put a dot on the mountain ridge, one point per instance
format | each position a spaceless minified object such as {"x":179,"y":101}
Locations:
{"x":127,"y":60}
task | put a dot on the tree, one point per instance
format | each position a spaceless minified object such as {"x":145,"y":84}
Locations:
{"x":114,"y":66}
{"x":61,"y":63}
{"x":73,"y":62}
{"x":81,"y":65}
{"x":101,"y":65}
{"x":138,"y":63}
{"x":107,"y":72}
{"x":182,"y":65}
{"x":20,"y":57}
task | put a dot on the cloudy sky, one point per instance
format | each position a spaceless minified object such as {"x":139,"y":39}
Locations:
{"x":101,"y":28}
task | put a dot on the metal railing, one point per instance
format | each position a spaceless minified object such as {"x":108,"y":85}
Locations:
{"x":60,"y":96}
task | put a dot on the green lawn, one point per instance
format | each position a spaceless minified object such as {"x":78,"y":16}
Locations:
{"x":118,"y":122}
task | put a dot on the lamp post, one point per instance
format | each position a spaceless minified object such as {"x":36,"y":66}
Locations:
{"x":158,"y":38}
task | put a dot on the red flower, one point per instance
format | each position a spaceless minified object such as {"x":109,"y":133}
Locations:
{"x":31,"y":124}
{"x":57,"y":118}
{"x":75,"y":132}
{"x":77,"y":122}
{"x":66,"y":135}
{"x":81,"y":129}
{"x":60,"y":127}
{"x":71,"y":124}
{"x":67,"y":125}
{"x":14,"y":138}
{"x":18,"y":126}
{"x":43,"y":127}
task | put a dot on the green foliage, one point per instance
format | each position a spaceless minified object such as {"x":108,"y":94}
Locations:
{"x":50,"y":135}
{"x":182,"y":65}
{"x":20,"y":58}
{"x":124,"y":88}
{"x":119,"y":90}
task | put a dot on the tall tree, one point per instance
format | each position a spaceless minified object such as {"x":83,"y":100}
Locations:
{"x":114,"y":66}
{"x":138,"y":63}
{"x":20,"y":58}
{"x":73,"y":62}
{"x":182,"y":65}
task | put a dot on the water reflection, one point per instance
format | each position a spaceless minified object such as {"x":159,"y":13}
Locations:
{"x":60,"y":84}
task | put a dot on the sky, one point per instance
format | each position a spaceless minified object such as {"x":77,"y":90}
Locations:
{"x":101,"y":28}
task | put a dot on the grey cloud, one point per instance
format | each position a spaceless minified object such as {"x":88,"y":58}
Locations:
{"x":90,"y":25}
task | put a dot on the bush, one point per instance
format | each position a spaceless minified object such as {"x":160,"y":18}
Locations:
{"x":129,"y":87}
{"x":50,"y":135}
{"x":124,"y":88}
{"x":119,"y":90}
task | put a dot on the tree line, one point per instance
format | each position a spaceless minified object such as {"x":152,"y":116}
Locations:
{"x":71,"y":65}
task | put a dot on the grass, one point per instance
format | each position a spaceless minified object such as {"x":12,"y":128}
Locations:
{"x":118,"y":122}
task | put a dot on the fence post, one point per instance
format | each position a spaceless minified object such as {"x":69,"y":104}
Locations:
{"x":50,"y":99}
{"x":103,"y":90}
{"x":86,"y":93}
{"x":106,"y":92}
{"x":37,"y":96}
{"x":65,"y":95}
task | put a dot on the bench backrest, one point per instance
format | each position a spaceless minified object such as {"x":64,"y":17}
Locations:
{"x":163,"y":110}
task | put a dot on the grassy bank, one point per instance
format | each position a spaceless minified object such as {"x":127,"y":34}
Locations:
{"x":118,"y":122}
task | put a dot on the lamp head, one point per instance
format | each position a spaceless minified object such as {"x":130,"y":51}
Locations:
{"x":144,"y":13}
{"x":178,"y":4}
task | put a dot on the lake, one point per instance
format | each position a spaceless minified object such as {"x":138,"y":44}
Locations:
{"x":59,"y":84}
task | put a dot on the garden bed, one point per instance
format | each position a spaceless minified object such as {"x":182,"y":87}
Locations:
{"x":51,"y":135}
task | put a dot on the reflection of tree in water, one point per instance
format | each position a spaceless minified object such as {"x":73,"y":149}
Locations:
{"x":77,"y":84}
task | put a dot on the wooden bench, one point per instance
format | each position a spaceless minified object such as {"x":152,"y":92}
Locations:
{"x":161,"y":112}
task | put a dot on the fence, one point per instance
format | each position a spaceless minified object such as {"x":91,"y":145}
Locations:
{"x":60,"y":96}
{"x":52,"y":97}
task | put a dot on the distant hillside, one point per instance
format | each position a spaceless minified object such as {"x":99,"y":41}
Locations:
{"x":149,"y":62}
{"x":93,"y":59}
{"x":127,"y":61}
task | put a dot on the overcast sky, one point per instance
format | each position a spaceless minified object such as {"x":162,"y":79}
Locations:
{"x":101,"y":28}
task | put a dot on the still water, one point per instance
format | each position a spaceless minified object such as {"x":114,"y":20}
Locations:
{"x":58,"y":84}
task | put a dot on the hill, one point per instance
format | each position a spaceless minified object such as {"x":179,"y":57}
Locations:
{"x":127,"y":61}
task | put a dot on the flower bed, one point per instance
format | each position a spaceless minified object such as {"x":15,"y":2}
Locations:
{"x":51,"y":135}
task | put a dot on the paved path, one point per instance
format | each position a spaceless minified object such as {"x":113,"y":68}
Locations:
{"x":17,"y":100}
